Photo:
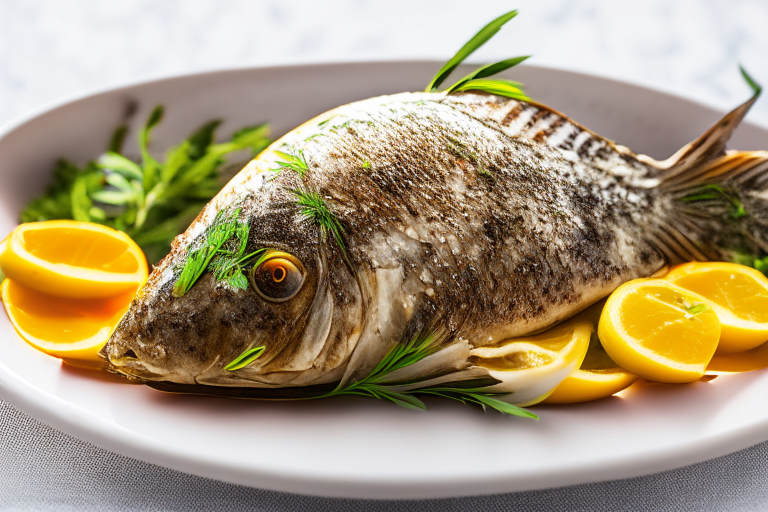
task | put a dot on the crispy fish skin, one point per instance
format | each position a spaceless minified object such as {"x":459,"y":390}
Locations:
{"x":486,"y":217}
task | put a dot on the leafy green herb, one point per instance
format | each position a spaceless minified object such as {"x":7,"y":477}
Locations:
{"x":152,"y":201}
{"x":478,"y":79}
{"x":401,"y":356}
{"x":756,"y":88}
{"x":222,"y":251}
{"x":486,"y":71}
{"x":696,"y":309}
{"x":499,"y":87}
{"x":714,"y":192}
{"x":293,"y":161}
{"x":245,"y":359}
{"x":761,"y":264}
{"x":473,"y":44}
{"x":314,"y":208}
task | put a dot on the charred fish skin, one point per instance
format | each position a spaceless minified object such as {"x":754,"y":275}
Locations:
{"x":486,"y":217}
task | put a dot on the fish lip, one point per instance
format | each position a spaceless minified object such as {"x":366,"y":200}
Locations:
{"x":133,"y":368}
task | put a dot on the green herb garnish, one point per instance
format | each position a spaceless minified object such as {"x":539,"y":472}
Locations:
{"x":473,"y":44}
{"x":403,"y":355}
{"x":477,"y":80}
{"x":314,"y":208}
{"x":293,"y":161}
{"x":152,"y":201}
{"x":714,"y":192}
{"x":756,"y":88}
{"x":245,"y":359}
{"x":221,"y":251}
{"x":696,"y":309}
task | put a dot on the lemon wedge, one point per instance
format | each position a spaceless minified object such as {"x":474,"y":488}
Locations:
{"x":659,"y":331}
{"x":530,"y":368}
{"x":66,"y":258}
{"x":739,"y":296}
{"x":598,"y":377}
{"x":72,"y":329}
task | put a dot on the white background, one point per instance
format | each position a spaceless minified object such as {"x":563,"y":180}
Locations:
{"x":51,"y":49}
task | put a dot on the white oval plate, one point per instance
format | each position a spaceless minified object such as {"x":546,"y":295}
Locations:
{"x":359,"y":447}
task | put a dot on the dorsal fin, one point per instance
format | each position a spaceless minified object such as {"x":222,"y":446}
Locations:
{"x":708,"y":147}
{"x":539,"y":123}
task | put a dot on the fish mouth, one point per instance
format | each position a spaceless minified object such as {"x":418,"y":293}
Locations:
{"x":129,"y":365}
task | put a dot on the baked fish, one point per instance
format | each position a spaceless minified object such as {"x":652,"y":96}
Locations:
{"x":404,"y":244}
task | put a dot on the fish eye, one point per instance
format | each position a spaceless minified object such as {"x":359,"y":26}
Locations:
{"x":277,"y":278}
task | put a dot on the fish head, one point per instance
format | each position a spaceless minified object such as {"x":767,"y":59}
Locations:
{"x":287,"y":314}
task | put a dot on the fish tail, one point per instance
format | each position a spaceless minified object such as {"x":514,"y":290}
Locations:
{"x":716,"y":204}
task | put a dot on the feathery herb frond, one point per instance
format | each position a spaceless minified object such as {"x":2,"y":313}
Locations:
{"x":403,"y":355}
{"x":314,"y":208}
{"x":222,"y":251}
{"x":473,"y":44}
{"x":245,"y":359}
{"x":198,"y":259}
{"x":293,"y":161}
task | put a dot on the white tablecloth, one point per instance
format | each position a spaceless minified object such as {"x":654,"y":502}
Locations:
{"x":44,"y":469}
{"x":50,"y":49}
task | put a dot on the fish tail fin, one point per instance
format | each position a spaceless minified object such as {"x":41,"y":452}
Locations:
{"x":719,"y":199}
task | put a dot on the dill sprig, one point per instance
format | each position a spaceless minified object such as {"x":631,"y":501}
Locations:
{"x":221,"y":251}
{"x":152,"y":200}
{"x":477,"y":80}
{"x":404,"y":355}
{"x":314,"y":208}
{"x":294,"y":161}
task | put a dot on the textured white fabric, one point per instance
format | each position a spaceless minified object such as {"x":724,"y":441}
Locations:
{"x":43,"y":469}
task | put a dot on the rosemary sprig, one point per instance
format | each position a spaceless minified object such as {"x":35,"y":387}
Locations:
{"x":756,"y":88}
{"x":473,"y":44}
{"x":486,"y":71}
{"x":477,"y":80}
{"x":505,"y":88}
{"x":245,"y":359}
{"x":404,"y":355}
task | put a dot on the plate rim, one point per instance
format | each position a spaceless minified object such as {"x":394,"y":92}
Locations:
{"x":91,"y":428}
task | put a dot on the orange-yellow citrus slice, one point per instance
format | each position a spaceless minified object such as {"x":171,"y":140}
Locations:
{"x":72,"y":329}
{"x":598,"y":377}
{"x":73,"y":259}
{"x":737,"y":362}
{"x":739,"y":296}
{"x":530,"y":368}
{"x":659,"y":331}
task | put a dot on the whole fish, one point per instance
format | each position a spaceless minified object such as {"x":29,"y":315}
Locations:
{"x":439,"y":224}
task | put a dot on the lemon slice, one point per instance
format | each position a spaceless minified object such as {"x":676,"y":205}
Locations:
{"x":598,"y":377}
{"x":73,"y":259}
{"x":72,"y":329}
{"x":530,"y":368}
{"x":737,"y":362}
{"x":739,"y":296}
{"x":659,"y":331}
